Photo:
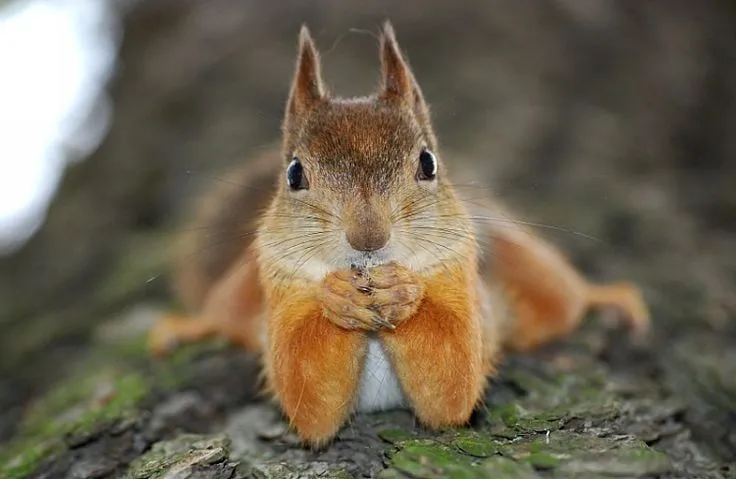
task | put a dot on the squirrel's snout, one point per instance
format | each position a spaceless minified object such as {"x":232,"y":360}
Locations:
{"x":369,"y":239}
{"x":367,"y":226}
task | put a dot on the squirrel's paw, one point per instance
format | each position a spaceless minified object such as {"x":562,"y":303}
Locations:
{"x":396,"y":291}
{"x":626,"y":306}
{"x":171,"y":331}
{"x":346,"y":301}
{"x":164,"y":337}
{"x":371,"y":300}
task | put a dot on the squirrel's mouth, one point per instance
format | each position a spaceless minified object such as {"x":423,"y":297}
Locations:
{"x":368,"y":259}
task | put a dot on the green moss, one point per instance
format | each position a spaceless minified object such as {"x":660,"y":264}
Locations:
{"x":476,"y":445}
{"x":178,"y":455}
{"x":107,"y":386}
{"x":511,"y":420}
{"x":542,"y":460}
{"x":133,"y":348}
{"x":390,"y":474}
{"x":503,"y":468}
{"x":507,"y":414}
{"x":74,"y":407}
{"x":175,"y":371}
{"x":533,"y":440}
{"x":21,"y":458}
{"x":553,"y":399}
{"x":630,"y":458}
{"x":573,"y":454}
{"x":429,"y":459}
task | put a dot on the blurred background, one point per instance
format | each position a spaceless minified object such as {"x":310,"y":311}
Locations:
{"x":610,"y":118}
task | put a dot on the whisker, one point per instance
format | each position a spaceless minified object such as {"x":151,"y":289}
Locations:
{"x":298,"y":241}
{"x":246,"y":231}
{"x":269,"y":189}
{"x":299,"y":217}
{"x":536,"y":225}
{"x":486,"y":244}
{"x":306,"y":256}
{"x":406,"y":245}
{"x":436,"y":237}
{"x":421,"y":238}
{"x":225,"y":240}
{"x":449,"y":233}
{"x":412,"y":202}
{"x":508,"y":220}
{"x":424,"y":201}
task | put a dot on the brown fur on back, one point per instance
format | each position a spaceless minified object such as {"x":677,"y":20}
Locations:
{"x":223,"y":226}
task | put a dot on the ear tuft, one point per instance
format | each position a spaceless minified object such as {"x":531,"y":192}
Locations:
{"x":307,"y":89}
{"x":398,"y":81}
{"x":388,"y":31}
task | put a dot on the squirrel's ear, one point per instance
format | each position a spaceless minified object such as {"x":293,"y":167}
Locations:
{"x":307,"y":89}
{"x":399,"y":83}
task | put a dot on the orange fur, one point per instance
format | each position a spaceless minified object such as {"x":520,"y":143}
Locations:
{"x":312,"y":365}
{"x":547,"y":296}
{"x":232,"y":309}
{"x":438,"y":353}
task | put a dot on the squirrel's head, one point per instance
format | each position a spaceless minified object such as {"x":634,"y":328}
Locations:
{"x":363,"y":182}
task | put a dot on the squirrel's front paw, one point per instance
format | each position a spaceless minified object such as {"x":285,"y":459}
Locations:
{"x":347,"y":302}
{"x":375,"y":299}
{"x":396,"y":291}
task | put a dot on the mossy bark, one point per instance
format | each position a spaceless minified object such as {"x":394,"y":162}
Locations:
{"x":566,"y":411}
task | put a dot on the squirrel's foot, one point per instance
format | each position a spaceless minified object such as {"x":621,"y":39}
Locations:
{"x":622,"y":304}
{"x":171,"y":331}
{"x":371,"y":300}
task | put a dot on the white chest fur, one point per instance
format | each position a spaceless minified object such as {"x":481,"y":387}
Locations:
{"x":379,"y":387}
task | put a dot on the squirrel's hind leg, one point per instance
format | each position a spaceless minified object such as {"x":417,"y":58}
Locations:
{"x":173,"y":330}
{"x":233,"y":309}
{"x":548,"y":297}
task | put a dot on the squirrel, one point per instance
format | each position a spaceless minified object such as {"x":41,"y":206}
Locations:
{"x":357,"y":273}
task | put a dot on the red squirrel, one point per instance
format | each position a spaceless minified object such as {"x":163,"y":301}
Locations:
{"x":357,"y":273}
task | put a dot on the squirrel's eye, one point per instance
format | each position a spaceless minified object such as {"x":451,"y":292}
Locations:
{"x":295,"y":177}
{"x":427,"y":166}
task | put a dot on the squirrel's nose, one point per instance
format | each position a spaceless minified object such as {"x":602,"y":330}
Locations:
{"x":368,"y":239}
{"x":367,"y":226}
